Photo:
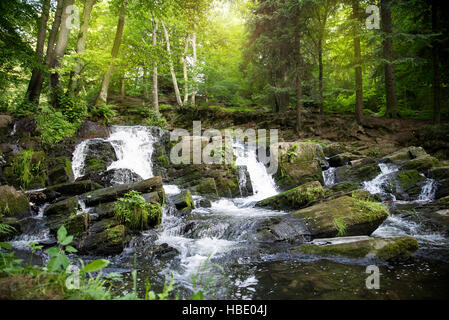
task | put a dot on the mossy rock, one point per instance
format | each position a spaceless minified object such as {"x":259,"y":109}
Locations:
{"x":298,"y":164}
{"x":405,"y":185}
{"x":207,"y":187}
{"x":59,"y":171}
{"x":73,"y":188}
{"x":421,"y":164}
{"x":405,"y":154}
{"x":344,"y":216}
{"x":296,"y":198}
{"x":76,"y":225}
{"x":439,"y":173}
{"x":109,"y":241}
{"x":13,"y":203}
{"x":100,"y":155}
{"x":65,"y":207}
{"x":335,"y":148}
{"x":183,"y":200}
{"x":360,"y":171}
{"x":385,"y":249}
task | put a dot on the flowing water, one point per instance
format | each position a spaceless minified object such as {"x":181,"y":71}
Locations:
{"x":219,"y":242}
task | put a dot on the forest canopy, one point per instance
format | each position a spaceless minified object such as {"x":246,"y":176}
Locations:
{"x":67,"y":58}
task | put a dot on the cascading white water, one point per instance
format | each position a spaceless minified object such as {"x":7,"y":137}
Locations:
{"x":329,"y":176}
{"x":79,"y":155}
{"x":134,"y":149}
{"x":428,"y":191}
{"x":375,"y":186}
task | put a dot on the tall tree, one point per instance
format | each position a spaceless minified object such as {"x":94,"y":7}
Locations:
{"x":358,"y":64}
{"x":184,"y":64}
{"x":60,"y":48}
{"x":390,"y":81}
{"x":172,"y":67}
{"x":33,"y":94}
{"x":436,"y":64}
{"x":81,"y":46}
{"x":155,"y":74}
{"x":103,"y":92}
{"x":194,"y":62}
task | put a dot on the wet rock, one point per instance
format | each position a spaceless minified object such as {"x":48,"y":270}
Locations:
{"x":405,"y":185}
{"x":59,"y":171}
{"x":299,"y":163}
{"x":334,"y":149}
{"x":91,"y":130}
{"x":358,"y":171}
{"x":76,"y":225}
{"x":184,"y":201}
{"x":104,"y":239}
{"x":207,"y":188}
{"x":286,"y":228}
{"x":342,"y":159}
{"x":113,"y":193}
{"x":296,"y":198}
{"x":422,"y":164}
{"x":163,"y":251}
{"x":99,"y":155}
{"x":204,"y":203}
{"x":60,"y":212}
{"x":13,"y":203}
{"x":344,"y":216}
{"x":405,"y":154}
{"x":363,"y":247}
{"x":71,"y":189}
{"x":246,"y":187}
{"x":112,"y":177}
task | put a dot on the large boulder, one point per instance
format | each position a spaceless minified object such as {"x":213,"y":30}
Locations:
{"x":111,"y":194}
{"x":105,"y":237}
{"x":299,"y":163}
{"x":358,"y":171}
{"x":296,"y":198}
{"x":13,"y":203}
{"x":112,"y":177}
{"x":72,"y":188}
{"x":246,"y":187}
{"x":59,"y":213}
{"x":99,"y":155}
{"x":344,"y":216}
{"x":405,"y":185}
{"x":343,"y":159}
{"x":412,"y":158}
{"x":362,"y":247}
{"x":441,"y":175}
{"x":59,"y":171}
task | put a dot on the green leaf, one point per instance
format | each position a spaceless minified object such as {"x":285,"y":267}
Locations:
{"x":70,"y":249}
{"x":62,"y":234}
{"x":6,"y":246}
{"x":96,"y":265}
{"x":67,"y":241}
{"x":53,"y":252}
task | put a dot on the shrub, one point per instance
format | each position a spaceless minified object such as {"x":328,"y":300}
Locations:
{"x":72,"y":108}
{"x":136,"y":213}
{"x":54,"y":127}
{"x":103,"y":113}
{"x":24,"y":109}
{"x":156,"y":120}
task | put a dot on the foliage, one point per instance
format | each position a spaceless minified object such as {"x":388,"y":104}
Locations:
{"x":136,"y":213}
{"x":54,"y":126}
{"x":156,"y":120}
{"x":341,"y":226}
{"x":28,"y":165}
{"x":103,"y":113}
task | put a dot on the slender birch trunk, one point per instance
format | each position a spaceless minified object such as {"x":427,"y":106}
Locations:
{"x":186,"y":78}
{"x":155,"y":84}
{"x":195,"y":76}
{"x":172,"y":68}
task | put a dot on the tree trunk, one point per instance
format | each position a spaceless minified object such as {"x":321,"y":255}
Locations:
{"x":299,"y":102}
{"x":155,"y":84}
{"x":32,"y":95}
{"x":186,"y":78}
{"x":390,"y":82}
{"x":358,"y":68}
{"x":60,"y":47}
{"x":320,"y":75}
{"x":146,"y":94}
{"x":81,"y":45}
{"x":103,"y":93}
{"x":123,"y":87}
{"x":172,"y":67}
{"x":195,"y":76}
{"x":436,"y":66}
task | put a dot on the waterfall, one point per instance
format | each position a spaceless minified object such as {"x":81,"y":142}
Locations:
{"x":329,"y":176}
{"x":428,"y":191}
{"x":134,"y":149}
{"x":375,"y":186}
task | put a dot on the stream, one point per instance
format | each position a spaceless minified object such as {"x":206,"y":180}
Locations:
{"x":218,"y":243}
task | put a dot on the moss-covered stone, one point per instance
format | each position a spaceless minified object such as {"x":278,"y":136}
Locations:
{"x":359,"y":217}
{"x":358,"y":171}
{"x":296,"y":198}
{"x":59,"y":171}
{"x":405,"y":154}
{"x":298,"y":164}
{"x":76,"y":225}
{"x":421,"y":164}
{"x":108,"y":241}
{"x":65,"y":207}
{"x":27,"y":170}
{"x":184,"y":201}
{"x":73,"y":188}
{"x":13,"y":203}
{"x":207,"y":187}
{"x":380,"y":248}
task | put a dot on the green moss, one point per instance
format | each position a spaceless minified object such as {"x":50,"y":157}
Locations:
{"x":76,"y":225}
{"x":207,"y":187}
{"x":28,"y":170}
{"x":341,"y":226}
{"x":402,"y":247}
{"x":408,"y":179}
{"x":347,"y":250}
{"x":96,"y":165}
{"x":12,"y":203}
{"x":164,"y":161}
